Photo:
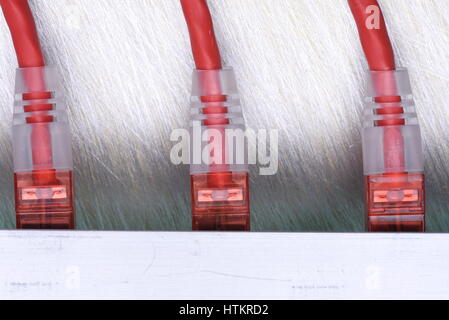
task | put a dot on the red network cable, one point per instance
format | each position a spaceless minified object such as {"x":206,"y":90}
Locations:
{"x":39,"y":194}
{"x":205,"y":50}
{"x":388,"y":199}
{"x":29,"y":54}
{"x":220,"y":213}
{"x":379,"y":54}
{"x":207,"y":57}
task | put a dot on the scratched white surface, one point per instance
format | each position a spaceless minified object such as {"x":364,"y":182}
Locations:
{"x":145,"y":265}
{"x":126,"y":66}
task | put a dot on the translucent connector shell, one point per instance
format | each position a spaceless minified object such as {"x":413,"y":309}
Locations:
{"x":392,"y":155}
{"x":219,"y":185}
{"x":42,"y":153}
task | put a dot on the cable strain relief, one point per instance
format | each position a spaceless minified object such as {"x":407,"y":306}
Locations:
{"x":215,"y":98}
{"x":41,"y":132}
{"x":36,"y":96}
{"x":388,"y":99}
{"x":391,"y":134}
{"x":217,"y":126}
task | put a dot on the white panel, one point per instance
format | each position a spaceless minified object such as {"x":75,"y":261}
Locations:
{"x":144,"y":265}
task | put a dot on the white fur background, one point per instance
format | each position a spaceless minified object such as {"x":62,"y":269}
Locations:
{"x":126,"y":67}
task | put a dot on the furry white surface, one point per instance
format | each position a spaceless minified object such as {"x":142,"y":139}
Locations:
{"x":126,"y":67}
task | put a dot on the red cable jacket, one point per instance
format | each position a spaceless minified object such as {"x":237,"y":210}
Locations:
{"x":375,"y":42}
{"x":24,"y":35}
{"x":23,"y":31}
{"x":204,"y":45}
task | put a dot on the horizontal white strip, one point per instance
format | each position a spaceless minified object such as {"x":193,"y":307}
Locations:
{"x":151,"y":265}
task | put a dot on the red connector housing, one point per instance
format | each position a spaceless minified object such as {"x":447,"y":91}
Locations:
{"x":44,"y":200}
{"x":223,"y":206}
{"x":395,"y":202}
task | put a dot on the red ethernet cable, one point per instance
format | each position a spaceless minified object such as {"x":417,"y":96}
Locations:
{"x":392,"y":150}
{"x":41,"y":136}
{"x":220,"y":191}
